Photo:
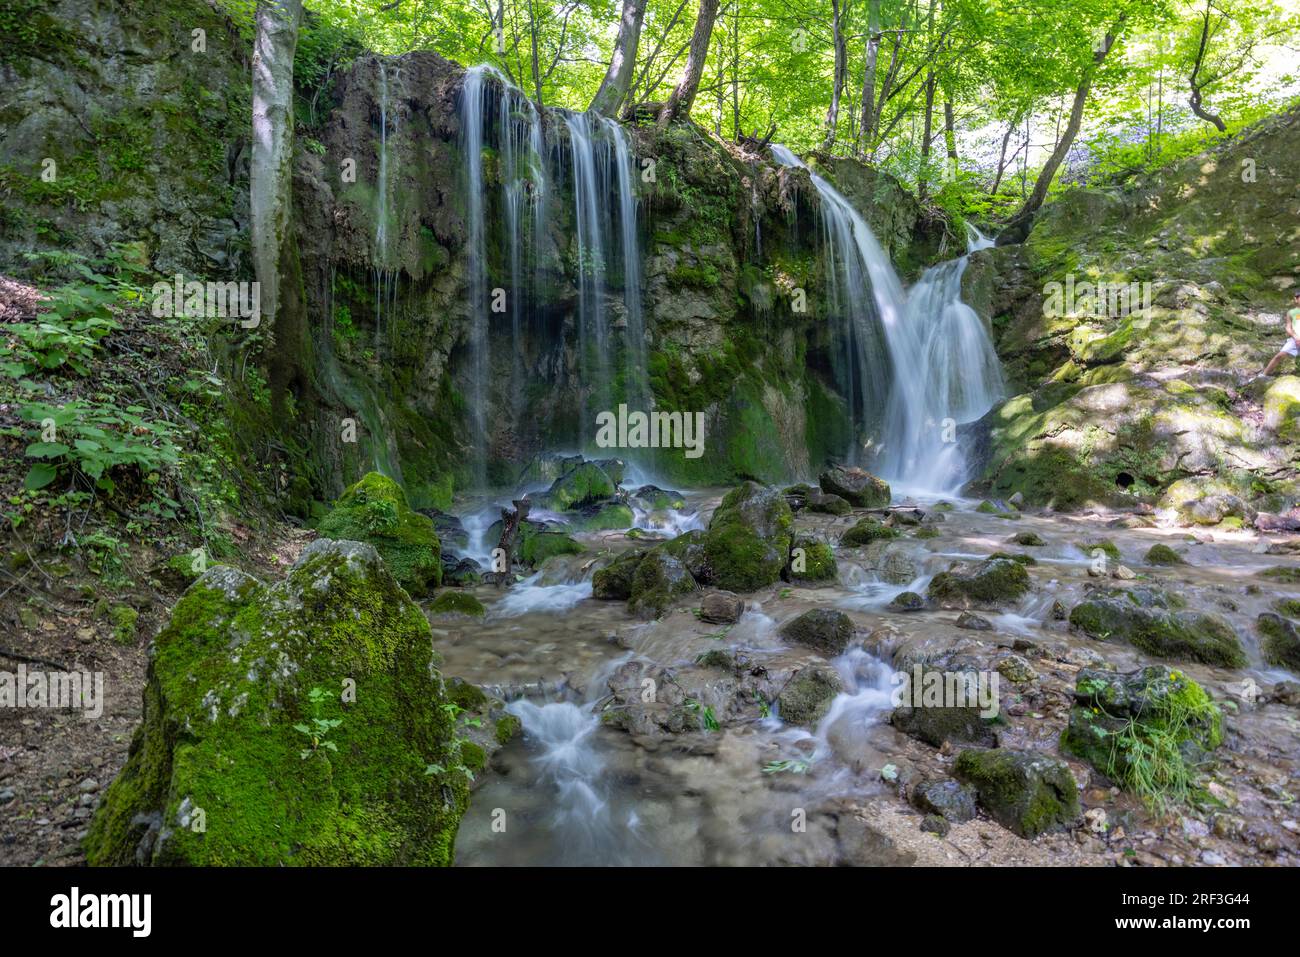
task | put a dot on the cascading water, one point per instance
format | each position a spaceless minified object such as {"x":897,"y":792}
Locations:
{"x":385,"y":275}
{"x":598,"y":166}
{"x":913,"y":365}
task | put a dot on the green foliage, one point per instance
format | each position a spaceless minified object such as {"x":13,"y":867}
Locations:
{"x":99,"y":442}
{"x":317,"y":728}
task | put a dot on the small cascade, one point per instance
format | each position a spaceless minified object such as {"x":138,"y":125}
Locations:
{"x":953,"y":374}
{"x":472,"y":109}
{"x":913,"y":365}
{"x":384,"y":276}
{"x":636,"y":388}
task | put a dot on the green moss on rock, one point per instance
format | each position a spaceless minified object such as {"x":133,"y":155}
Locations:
{"x":374,"y":510}
{"x":219,"y":772}
{"x":1160,"y":632}
{"x":457,"y":603}
{"x":1026,"y":792}
{"x":994,"y":583}
{"x":748,"y":540}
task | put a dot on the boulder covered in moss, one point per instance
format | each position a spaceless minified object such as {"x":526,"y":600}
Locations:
{"x":374,"y":510}
{"x":1279,"y":641}
{"x":807,"y":696}
{"x":585,"y":484}
{"x":856,"y":486}
{"x":825,"y":503}
{"x":1144,"y":619}
{"x":940,"y":707}
{"x":748,"y":540}
{"x":1144,"y":729}
{"x":811,"y":560}
{"x":951,"y":800}
{"x":689,"y":549}
{"x":867,"y":531}
{"x":457,"y":603}
{"x":1163,"y":555}
{"x":614,"y":581}
{"x":655,"y":499}
{"x":293,"y":723}
{"x":994,"y":583}
{"x":824,"y":630}
{"x":659,"y":580}
{"x":1027,"y":792}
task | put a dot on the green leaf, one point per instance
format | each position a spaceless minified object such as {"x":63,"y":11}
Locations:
{"x":46,"y":450}
{"x":39,"y":476}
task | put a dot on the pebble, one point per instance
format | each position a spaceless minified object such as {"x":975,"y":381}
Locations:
{"x":7,"y":795}
{"x":89,"y":786}
{"x":1213,"y":858}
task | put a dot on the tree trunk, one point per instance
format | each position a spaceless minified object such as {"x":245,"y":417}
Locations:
{"x":537,"y":70}
{"x":618,"y":78}
{"x":950,"y":138}
{"x":1197,"y":84}
{"x":271,"y":168}
{"x":867,"y":127}
{"x":1018,"y":228}
{"x":922,"y":186}
{"x":837,"y":82}
{"x":683,"y":96}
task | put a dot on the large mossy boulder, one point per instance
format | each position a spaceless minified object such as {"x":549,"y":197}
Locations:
{"x":811,"y":560}
{"x":856,"y":486}
{"x":1026,"y":792}
{"x":865,"y":532}
{"x":1279,"y":641}
{"x":748,"y":541}
{"x":994,"y":583}
{"x":1145,"y":729}
{"x":292,"y":723}
{"x":374,"y":510}
{"x":1144,"y":618}
{"x":613,"y":582}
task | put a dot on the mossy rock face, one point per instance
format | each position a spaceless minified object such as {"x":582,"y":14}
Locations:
{"x":457,"y":603}
{"x":856,"y":486}
{"x":586,"y":484}
{"x":1279,"y":641}
{"x":1026,"y":792}
{"x":748,"y":541}
{"x":823,"y":629}
{"x":659,"y":580}
{"x":811,"y":561}
{"x":238,"y":670}
{"x":1163,"y":555}
{"x":994,"y":583}
{"x":653,"y":499}
{"x":1158,"y":631}
{"x":826,"y":504}
{"x":1116,"y":714}
{"x":535,"y":542}
{"x":614,"y":581}
{"x":374,"y":510}
{"x":807,"y":696}
{"x":865,"y":532}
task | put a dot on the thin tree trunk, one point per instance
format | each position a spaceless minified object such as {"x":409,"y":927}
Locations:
{"x":271,"y":165}
{"x":622,"y":63}
{"x":1196,"y":84}
{"x":837,"y":82}
{"x":922,"y":186}
{"x":950,"y":138}
{"x":683,"y":96}
{"x":537,"y":71}
{"x":1018,"y":227}
{"x":867,"y":126}
{"x":1002,"y":158}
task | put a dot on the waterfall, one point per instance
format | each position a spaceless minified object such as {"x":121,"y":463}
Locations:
{"x":957,"y":379}
{"x":599,"y":167}
{"x":385,"y":275}
{"x":913,"y":365}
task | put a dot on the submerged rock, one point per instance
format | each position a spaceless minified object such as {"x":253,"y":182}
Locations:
{"x":1143,"y":619}
{"x":994,"y":583}
{"x":1026,"y":792}
{"x":748,"y":541}
{"x":822,"y":629}
{"x":231,"y":764}
{"x":856,"y":486}
{"x":375,"y":510}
